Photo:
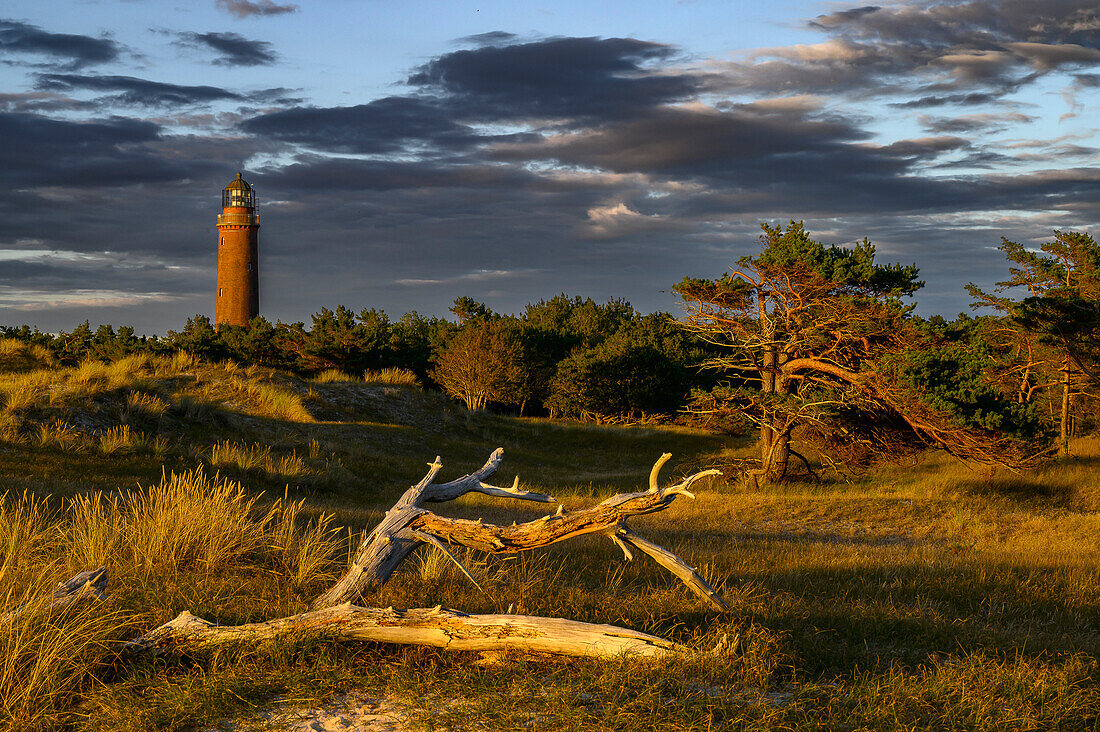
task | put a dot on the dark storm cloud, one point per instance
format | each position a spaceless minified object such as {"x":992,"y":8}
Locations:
{"x":941,"y":52}
{"x":235,"y":49}
{"x":36,"y":150}
{"x":314,"y":174}
{"x":750,"y":142}
{"x":253,"y":8}
{"x":384,"y":125}
{"x":558,"y":77}
{"x":137,"y":91}
{"x":75,"y":51}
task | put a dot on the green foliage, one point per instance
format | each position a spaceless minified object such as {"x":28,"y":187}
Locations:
{"x":853,"y":268}
{"x":951,"y":378}
{"x":199,"y":338}
{"x":636,"y":371}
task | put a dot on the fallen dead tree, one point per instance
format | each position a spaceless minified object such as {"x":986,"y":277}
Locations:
{"x":447,"y":629}
{"x":408,"y":526}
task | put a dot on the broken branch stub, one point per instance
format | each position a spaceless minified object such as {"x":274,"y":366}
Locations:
{"x":407,"y":526}
{"x":87,"y":585}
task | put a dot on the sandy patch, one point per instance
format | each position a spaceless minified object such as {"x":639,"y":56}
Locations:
{"x":342,"y":713}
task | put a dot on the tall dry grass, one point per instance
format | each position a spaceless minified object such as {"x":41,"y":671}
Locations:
{"x":331,"y":376}
{"x":391,"y":376}
{"x":257,"y":457}
{"x":46,"y":655}
{"x":190,"y":521}
{"x":17,"y":355}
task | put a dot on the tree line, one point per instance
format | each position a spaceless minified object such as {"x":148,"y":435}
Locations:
{"x":565,"y":356}
{"x":801,"y":341}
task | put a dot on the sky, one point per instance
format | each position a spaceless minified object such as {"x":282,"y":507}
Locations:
{"x":406,"y":154}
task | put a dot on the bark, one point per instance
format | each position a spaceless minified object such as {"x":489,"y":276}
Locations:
{"x":1064,"y":421}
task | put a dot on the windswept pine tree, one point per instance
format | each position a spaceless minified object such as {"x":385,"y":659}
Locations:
{"x":818,"y":341}
{"x":1056,"y":314}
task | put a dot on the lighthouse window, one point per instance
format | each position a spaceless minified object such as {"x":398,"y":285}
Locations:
{"x":250,"y":266}
{"x":219,"y":292}
{"x":222,"y":242}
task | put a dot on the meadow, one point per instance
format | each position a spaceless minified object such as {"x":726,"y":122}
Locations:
{"x":916,"y":596}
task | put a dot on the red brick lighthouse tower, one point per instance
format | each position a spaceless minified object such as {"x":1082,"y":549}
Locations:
{"x":238,"y":271}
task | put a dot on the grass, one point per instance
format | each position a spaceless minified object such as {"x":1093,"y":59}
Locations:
{"x":392,"y":376}
{"x":925,"y":596}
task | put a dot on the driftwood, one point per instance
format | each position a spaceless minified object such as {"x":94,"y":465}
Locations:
{"x":407,"y":526}
{"x":88,"y":585}
{"x":447,"y":629}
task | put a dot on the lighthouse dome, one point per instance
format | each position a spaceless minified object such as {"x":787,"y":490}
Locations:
{"x":239,"y":192}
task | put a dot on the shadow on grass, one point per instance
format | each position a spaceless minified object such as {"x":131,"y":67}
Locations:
{"x":844,"y":622}
{"x":1021,"y":489}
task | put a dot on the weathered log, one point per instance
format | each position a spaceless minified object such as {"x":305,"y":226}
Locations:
{"x":407,"y":526}
{"x":87,"y":585}
{"x":447,"y":629}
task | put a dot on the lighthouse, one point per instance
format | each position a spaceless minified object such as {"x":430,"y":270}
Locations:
{"x":238,"y":298}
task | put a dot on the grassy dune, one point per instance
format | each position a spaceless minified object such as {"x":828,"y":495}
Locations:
{"x":913,"y":597}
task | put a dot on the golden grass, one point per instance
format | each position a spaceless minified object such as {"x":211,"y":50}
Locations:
{"x":47,"y":657}
{"x":121,"y":439}
{"x":17,"y":355}
{"x":391,"y":376}
{"x":305,"y":549}
{"x":273,"y":400}
{"x":191,"y":518}
{"x":257,"y":457}
{"x":330,"y":376}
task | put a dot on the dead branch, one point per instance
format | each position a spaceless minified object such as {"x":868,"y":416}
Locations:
{"x":407,"y":526}
{"x":87,"y":585}
{"x":447,"y":629}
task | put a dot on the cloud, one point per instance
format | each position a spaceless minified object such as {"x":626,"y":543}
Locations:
{"x":554,"y":78}
{"x":618,"y":220}
{"x":940,"y":52}
{"x":74,"y":51}
{"x":477,"y":276}
{"x":253,"y":8}
{"x":136,"y":91}
{"x":34,"y":300}
{"x":235,"y":49}
{"x":384,"y":125}
{"x":526,"y":167}
{"x":41,"y":101}
{"x":983,"y":121}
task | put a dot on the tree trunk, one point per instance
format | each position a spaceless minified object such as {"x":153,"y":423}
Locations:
{"x":1064,"y":422}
